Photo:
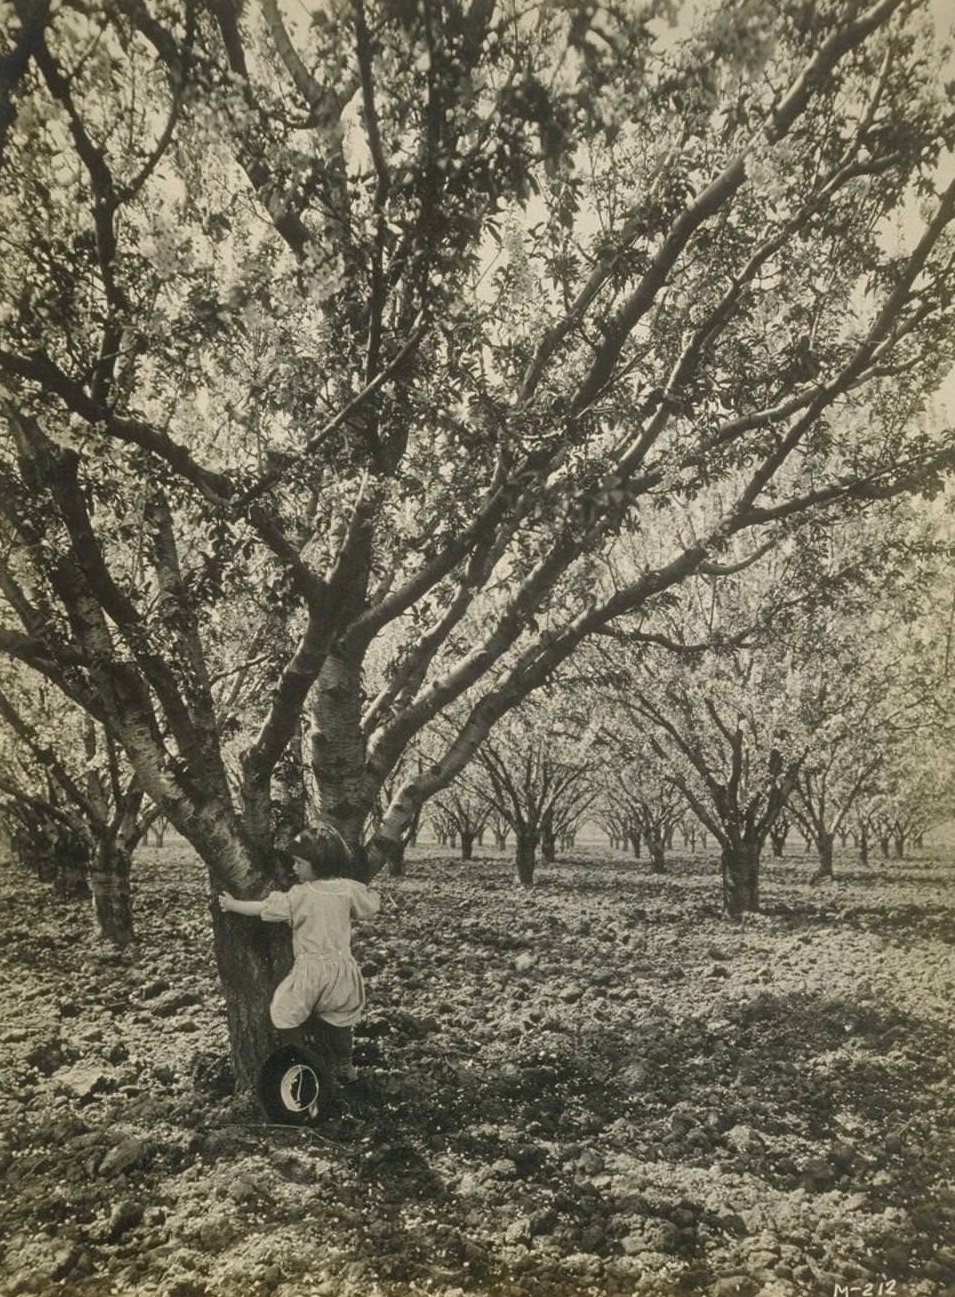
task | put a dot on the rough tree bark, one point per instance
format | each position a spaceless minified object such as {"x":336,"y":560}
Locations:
{"x":525,"y":856}
{"x":740,"y":867}
{"x":656,"y":846}
{"x":548,"y":845}
{"x":777,"y":836}
{"x":71,"y":860}
{"x":110,"y":871}
{"x":824,"y":849}
{"x":252,"y":957}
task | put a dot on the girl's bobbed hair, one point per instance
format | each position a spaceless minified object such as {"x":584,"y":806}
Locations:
{"x":325,"y":850}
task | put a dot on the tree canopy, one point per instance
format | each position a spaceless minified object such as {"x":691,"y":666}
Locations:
{"x":343,"y":348}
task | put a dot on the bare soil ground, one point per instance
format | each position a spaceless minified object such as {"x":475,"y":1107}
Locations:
{"x":599,"y":1086}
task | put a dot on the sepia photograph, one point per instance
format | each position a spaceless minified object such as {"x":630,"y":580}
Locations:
{"x":477,"y":648}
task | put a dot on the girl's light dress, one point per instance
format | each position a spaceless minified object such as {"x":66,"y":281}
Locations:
{"x":325,"y":979}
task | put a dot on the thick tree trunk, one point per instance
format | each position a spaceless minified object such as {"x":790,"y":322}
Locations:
{"x":396,"y":860}
{"x":289,"y":794}
{"x":636,"y":842}
{"x":864,"y":845}
{"x":338,"y":751}
{"x":71,"y":859}
{"x":741,"y":879}
{"x":252,"y":958}
{"x":34,"y":851}
{"x":112,"y":896}
{"x":467,"y":845}
{"x":548,"y":844}
{"x":526,"y":857}
{"x":778,"y":837}
{"x":899,"y":843}
{"x":824,"y":845}
{"x":656,"y":846}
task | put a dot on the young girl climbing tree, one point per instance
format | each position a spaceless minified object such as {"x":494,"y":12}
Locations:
{"x":324,"y":994}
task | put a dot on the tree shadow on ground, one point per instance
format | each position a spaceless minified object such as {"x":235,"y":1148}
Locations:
{"x":802,"y":1092}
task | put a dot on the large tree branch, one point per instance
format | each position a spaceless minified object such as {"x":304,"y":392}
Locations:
{"x":507,"y":500}
{"x":105,"y":205}
{"x":712,"y":199}
{"x":180,"y":616}
{"x":218,"y":488}
{"x":89,"y":593}
{"x":618,"y":330}
{"x":324,"y":103}
{"x":725,"y":311}
{"x":854,"y":369}
{"x":408,"y":677}
{"x":347,"y":412}
{"x":884,"y":483}
{"x":839,"y":43}
{"x":62,"y":665}
{"x":730,"y":569}
{"x":47,"y":758}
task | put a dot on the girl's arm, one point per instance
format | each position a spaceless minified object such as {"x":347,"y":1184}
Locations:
{"x":229,"y":903}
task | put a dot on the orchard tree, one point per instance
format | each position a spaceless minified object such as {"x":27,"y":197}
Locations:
{"x":67,"y":787}
{"x":648,"y":803}
{"x":853,"y":703}
{"x":915,"y":795}
{"x":826,"y":654}
{"x":780,"y":832}
{"x":383,"y":320}
{"x":691,"y":831}
{"x":656,"y":805}
{"x":875,"y":676}
{"x":500,"y":828}
{"x":615,"y":823}
{"x":465,"y":811}
{"x":564,"y":819}
{"x":723,"y":728}
{"x":537,"y":778}
{"x":841,"y":770}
